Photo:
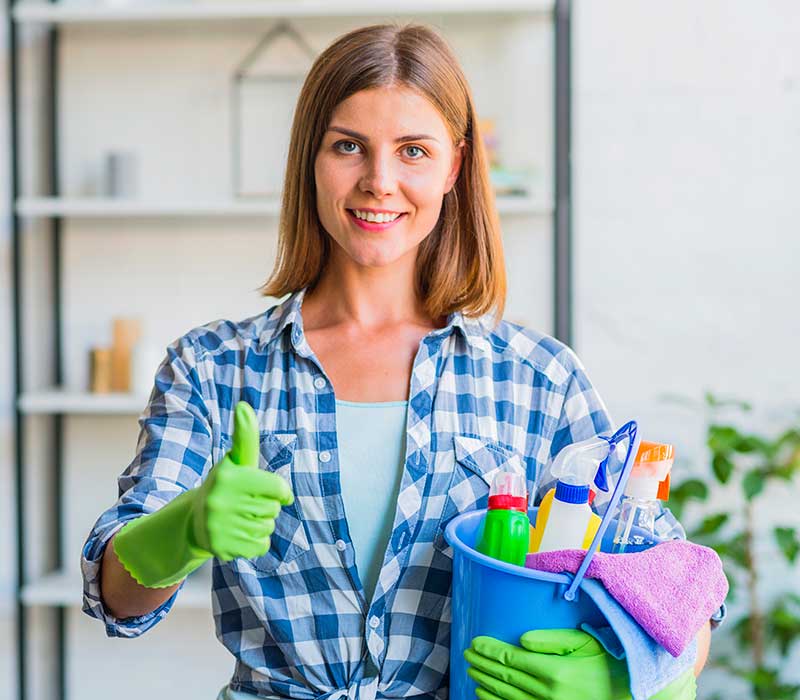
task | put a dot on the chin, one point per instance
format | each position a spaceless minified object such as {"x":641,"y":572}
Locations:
{"x":377,"y":256}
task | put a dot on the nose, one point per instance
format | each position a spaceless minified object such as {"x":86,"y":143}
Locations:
{"x":380,"y":178}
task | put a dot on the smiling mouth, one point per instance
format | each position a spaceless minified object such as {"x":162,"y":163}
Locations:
{"x":373,"y":225}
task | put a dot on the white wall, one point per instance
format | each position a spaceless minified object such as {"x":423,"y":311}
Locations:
{"x":686,"y":159}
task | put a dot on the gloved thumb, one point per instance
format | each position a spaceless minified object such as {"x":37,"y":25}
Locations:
{"x":245,"y":436}
{"x":561,"y":642}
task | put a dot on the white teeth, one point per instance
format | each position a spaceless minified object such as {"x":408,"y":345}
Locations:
{"x":375,"y":218}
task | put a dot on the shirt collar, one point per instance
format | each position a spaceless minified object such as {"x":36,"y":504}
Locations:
{"x":285,"y":315}
{"x":288,"y":315}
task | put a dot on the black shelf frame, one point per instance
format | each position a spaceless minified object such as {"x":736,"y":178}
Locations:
{"x":562,"y":294}
{"x":55,"y":501}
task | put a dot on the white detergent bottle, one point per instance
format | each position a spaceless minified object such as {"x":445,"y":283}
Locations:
{"x":575,"y":467}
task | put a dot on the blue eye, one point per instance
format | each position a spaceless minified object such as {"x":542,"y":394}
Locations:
{"x":417,"y":148}
{"x":340,"y":143}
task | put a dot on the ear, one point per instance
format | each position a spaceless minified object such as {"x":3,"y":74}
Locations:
{"x":458,"y":158}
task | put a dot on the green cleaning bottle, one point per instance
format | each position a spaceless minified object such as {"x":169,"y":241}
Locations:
{"x":505,"y":529}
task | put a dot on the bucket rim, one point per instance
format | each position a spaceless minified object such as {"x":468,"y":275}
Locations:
{"x":465,"y":550}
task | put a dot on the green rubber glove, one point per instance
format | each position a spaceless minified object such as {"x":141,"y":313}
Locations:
{"x":231,"y":514}
{"x":563,"y":664}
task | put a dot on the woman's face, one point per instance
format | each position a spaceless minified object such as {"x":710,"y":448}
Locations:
{"x":386,"y":150}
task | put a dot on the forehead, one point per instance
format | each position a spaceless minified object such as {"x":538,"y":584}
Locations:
{"x":389,"y":111}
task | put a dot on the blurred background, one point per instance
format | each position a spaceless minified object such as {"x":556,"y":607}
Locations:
{"x":140,"y":178}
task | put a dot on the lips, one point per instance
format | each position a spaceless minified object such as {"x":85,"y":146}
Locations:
{"x":372,"y":225}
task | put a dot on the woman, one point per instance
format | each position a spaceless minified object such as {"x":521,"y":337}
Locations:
{"x":386,"y":396}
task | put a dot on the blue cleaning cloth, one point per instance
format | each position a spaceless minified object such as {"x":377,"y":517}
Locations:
{"x":650,"y":666}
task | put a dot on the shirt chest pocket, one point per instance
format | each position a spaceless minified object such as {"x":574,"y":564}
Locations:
{"x":290,"y":538}
{"x":476,"y":462}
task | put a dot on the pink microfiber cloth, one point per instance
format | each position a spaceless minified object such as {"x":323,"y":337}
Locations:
{"x":671,"y":589}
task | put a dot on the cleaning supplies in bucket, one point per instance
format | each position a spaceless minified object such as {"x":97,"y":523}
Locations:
{"x":503,"y":533}
{"x":647,"y":485}
{"x":567,"y":520}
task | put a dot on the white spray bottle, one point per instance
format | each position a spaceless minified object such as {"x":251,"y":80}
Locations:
{"x":575,"y":467}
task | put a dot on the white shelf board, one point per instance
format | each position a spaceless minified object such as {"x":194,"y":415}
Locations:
{"x":64,"y":401}
{"x":97,"y":207}
{"x":86,"y":11}
{"x":100,"y":208}
{"x":66,"y":588}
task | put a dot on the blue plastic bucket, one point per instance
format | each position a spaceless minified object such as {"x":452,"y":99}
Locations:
{"x":490,"y":597}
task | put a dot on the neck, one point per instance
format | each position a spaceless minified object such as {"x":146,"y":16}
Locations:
{"x":367,"y":297}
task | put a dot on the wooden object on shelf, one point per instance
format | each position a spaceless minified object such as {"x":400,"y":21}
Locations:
{"x":100,"y":370}
{"x":125,"y":334}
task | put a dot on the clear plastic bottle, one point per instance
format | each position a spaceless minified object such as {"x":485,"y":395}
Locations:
{"x":640,"y":508}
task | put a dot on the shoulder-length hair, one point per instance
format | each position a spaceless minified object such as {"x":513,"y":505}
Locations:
{"x":460,"y":265}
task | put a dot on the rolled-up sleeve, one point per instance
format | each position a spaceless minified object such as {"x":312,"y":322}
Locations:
{"x":172,"y":453}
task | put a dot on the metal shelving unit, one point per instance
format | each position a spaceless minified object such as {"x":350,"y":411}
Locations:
{"x":57,"y":589}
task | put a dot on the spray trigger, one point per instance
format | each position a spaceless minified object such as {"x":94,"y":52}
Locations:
{"x":601,"y":478}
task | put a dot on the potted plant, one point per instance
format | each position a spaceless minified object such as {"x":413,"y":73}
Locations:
{"x":750,"y":462}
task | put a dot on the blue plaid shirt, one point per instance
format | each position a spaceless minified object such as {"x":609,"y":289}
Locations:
{"x":482,"y":400}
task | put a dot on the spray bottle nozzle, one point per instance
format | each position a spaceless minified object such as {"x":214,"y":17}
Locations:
{"x":601,"y":478}
{"x":584,"y":463}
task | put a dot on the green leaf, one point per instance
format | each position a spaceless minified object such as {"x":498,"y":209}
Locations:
{"x":714,"y":402}
{"x":710,"y":525}
{"x":783,"y":622}
{"x":689,"y":490}
{"x":789,"y":437}
{"x":783,"y":471}
{"x":753,"y":443}
{"x":734,"y":550}
{"x":767,"y":684}
{"x":732,"y":586}
{"x":723,"y":468}
{"x":723,"y":438}
{"x":753,"y":484}
{"x":786,"y":537}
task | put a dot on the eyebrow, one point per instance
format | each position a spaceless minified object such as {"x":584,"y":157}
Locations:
{"x":355,"y":134}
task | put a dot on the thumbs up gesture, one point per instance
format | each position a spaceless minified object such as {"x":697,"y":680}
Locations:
{"x":236,"y":506}
{"x":231,"y":514}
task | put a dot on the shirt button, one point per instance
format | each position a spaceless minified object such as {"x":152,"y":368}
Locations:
{"x":325,"y":456}
{"x":374,"y":622}
{"x":340,"y":545}
{"x":319,"y":382}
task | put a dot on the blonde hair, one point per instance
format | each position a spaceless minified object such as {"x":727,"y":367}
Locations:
{"x":460,"y":265}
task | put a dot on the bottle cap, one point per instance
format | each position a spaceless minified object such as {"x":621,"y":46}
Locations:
{"x":508,"y":492}
{"x":571,"y":493}
{"x":650,"y":478}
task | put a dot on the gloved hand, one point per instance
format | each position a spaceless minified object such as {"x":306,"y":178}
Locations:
{"x":556,"y":665}
{"x":231,"y":514}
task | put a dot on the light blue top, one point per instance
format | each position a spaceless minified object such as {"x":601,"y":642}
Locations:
{"x":371,"y":439}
